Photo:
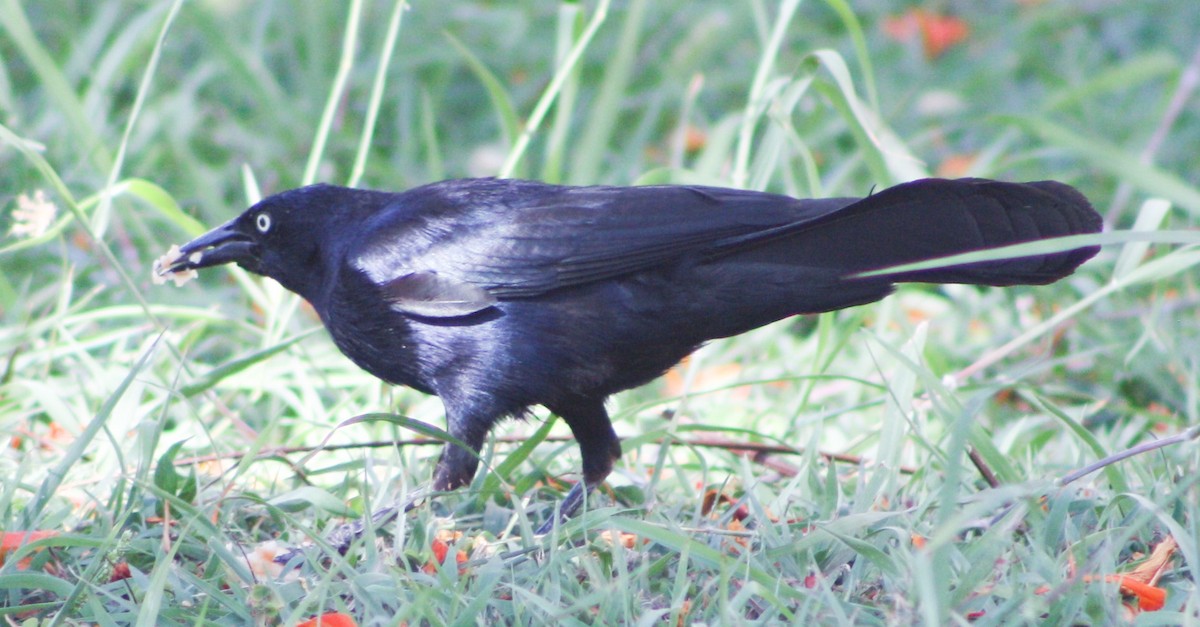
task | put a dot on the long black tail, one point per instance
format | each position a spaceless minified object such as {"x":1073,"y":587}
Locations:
{"x":933,"y":218}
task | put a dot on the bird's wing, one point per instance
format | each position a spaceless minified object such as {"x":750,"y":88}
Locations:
{"x":454,"y":248}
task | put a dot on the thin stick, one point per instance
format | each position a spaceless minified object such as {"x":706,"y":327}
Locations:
{"x":755,"y":450}
{"x":982,"y":466}
{"x":1145,"y":447}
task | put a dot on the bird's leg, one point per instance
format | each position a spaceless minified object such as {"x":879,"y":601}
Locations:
{"x":455,"y":468}
{"x":457,"y":465}
{"x":598,"y":444}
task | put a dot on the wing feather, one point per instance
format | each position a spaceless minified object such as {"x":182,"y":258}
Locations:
{"x":518,"y":239}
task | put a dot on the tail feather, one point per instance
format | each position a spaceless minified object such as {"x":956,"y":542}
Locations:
{"x":934,"y":218}
{"x":1014,"y":213}
{"x":811,"y":267}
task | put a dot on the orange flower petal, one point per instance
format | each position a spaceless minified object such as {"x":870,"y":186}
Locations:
{"x":940,"y":32}
{"x":14,"y":540}
{"x":440,"y":549}
{"x":902,"y":28}
{"x":1150,"y":598}
{"x":331,"y":619}
{"x":1151,"y":570}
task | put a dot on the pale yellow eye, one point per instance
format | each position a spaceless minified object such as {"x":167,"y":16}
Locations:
{"x":263,"y":222}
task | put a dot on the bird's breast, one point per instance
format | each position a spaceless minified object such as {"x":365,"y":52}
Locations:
{"x":371,"y":335}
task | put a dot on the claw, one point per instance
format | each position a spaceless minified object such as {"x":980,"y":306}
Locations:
{"x":343,"y":536}
{"x":568,"y":508}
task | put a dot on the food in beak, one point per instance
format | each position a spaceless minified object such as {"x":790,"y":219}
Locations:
{"x":175,"y":266}
{"x":224,"y":244}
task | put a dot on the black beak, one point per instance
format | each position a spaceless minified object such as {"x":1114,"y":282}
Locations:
{"x":224,"y":244}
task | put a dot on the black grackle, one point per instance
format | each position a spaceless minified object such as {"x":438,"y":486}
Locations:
{"x":497,"y":295}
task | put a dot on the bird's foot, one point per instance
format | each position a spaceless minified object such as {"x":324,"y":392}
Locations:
{"x":344,"y":535}
{"x":568,"y":508}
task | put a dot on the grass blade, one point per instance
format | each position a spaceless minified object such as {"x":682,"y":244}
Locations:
{"x":377,"y":90}
{"x":1113,"y":159}
{"x":336,"y":91}
{"x":553,"y":90}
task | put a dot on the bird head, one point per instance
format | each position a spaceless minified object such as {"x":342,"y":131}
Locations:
{"x":287,"y":237}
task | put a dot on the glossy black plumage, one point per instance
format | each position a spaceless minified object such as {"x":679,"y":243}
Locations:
{"x":497,"y":295}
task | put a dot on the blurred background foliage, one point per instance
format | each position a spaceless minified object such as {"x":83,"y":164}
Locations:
{"x":157,"y":119}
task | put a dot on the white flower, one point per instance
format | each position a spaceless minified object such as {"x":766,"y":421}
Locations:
{"x":33,"y":216}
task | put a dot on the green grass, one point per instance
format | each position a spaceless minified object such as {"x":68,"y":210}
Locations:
{"x":137,"y":404}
